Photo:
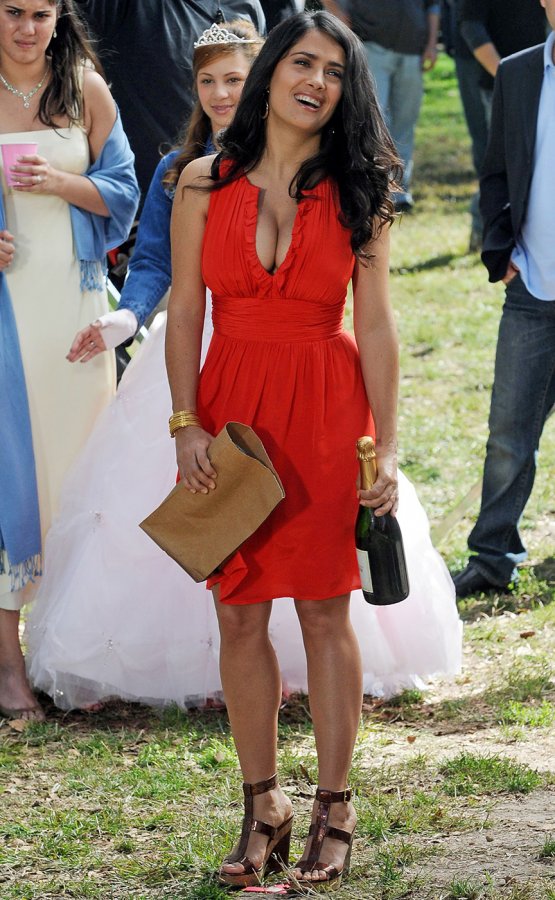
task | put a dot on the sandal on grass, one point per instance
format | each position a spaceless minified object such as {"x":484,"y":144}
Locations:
{"x":319,"y":831}
{"x":277,"y":849}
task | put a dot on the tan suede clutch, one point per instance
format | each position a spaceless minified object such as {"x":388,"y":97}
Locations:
{"x":200,"y":531}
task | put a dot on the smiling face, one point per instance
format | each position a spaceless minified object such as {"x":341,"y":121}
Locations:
{"x":307,"y":83}
{"x":26,"y":28}
{"x":219,"y":84}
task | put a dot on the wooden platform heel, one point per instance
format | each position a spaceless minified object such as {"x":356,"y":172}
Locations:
{"x":319,"y":831}
{"x":277,"y":850}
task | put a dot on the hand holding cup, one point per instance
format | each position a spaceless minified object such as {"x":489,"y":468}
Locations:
{"x":32,"y":174}
{"x":11,"y":153}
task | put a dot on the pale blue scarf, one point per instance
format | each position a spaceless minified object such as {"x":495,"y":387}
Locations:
{"x":20,"y":545}
{"x":113,"y":174}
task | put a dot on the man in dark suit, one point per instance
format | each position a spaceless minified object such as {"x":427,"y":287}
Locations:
{"x":487,"y":31}
{"x":518,"y":207}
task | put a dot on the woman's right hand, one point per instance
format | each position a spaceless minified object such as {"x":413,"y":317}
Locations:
{"x":195,"y":468}
{"x":7,"y":249}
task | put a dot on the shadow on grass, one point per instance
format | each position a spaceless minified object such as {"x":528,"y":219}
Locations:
{"x":437,"y":262}
{"x":536,"y":588}
{"x":117,"y":716}
{"x":524,"y":696}
{"x":545,"y":571}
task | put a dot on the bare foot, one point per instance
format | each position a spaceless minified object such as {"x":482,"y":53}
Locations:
{"x":95,"y":707}
{"x":274,"y":808}
{"x":17,"y":700}
{"x":333,"y":852}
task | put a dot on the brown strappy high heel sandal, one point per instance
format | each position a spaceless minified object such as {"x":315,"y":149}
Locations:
{"x":319,"y":831}
{"x":277,"y":850}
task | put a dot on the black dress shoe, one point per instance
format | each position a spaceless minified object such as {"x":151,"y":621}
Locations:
{"x":471,"y":581}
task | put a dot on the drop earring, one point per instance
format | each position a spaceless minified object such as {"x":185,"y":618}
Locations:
{"x":54,"y":34}
{"x":266,"y":105}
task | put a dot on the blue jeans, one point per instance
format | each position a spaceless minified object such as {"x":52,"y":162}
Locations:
{"x":468,"y":76}
{"x":398,"y":78}
{"x":522,"y":396}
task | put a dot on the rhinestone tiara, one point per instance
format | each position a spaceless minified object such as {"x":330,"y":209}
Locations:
{"x":218,"y":35}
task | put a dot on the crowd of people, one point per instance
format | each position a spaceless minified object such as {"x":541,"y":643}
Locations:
{"x":294,"y":158}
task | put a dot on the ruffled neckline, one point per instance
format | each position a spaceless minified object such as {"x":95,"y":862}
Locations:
{"x":251,"y":220}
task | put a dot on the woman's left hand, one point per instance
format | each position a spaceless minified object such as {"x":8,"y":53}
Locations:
{"x":87,"y":343}
{"x":383,"y":497}
{"x":34,"y":175}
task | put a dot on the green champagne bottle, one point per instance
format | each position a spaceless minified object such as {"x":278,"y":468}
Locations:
{"x":378,"y":540}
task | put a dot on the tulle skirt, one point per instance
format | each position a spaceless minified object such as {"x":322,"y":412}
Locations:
{"x":115,"y":617}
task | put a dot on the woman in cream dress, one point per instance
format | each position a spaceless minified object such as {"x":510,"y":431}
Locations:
{"x":53,"y":219}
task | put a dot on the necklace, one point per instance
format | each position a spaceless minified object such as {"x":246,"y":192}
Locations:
{"x":25,"y":97}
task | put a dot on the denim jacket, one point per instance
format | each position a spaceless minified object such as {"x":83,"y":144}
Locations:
{"x":150,"y":268}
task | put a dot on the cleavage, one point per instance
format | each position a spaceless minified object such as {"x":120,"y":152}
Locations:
{"x":274,"y":229}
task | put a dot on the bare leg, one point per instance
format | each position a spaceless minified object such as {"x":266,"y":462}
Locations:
{"x":15,"y":693}
{"x":335,"y":694}
{"x":251,"y":682}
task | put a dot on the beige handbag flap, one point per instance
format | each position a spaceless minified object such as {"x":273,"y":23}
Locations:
{"x":200,"y":531}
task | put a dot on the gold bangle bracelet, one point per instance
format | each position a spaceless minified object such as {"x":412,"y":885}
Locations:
{"x":182,"y":419}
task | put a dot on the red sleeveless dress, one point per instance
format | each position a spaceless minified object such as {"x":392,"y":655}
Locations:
{"x":280,"y":361}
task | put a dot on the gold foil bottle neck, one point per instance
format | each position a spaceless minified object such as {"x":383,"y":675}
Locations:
{"x":366,"y":453}
{"x":366,"y":449}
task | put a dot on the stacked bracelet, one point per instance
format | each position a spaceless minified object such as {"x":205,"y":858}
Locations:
{"x":182,"y":419}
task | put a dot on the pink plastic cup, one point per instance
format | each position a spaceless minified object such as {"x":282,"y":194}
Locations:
{"x":10,"y":152}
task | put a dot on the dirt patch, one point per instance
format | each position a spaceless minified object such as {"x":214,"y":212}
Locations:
{"x":504,"y":850}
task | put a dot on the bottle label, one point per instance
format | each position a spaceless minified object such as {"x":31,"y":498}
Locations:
{"x":364,"y":569}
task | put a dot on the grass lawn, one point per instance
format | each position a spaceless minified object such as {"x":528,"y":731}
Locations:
{"x":455,"y":788}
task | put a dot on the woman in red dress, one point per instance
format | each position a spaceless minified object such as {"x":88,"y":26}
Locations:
{"x":296,"y":205}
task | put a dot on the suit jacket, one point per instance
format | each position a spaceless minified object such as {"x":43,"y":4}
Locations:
{"x":508,"y":165}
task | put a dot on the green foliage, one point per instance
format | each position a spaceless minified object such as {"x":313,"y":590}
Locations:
{"x":468,"y":774}
{"x":409,"y":697}
{"x":463,"y":889}
{"x":217,"y":755}
{"x":514,"y":712}
{"x":548,"y":849}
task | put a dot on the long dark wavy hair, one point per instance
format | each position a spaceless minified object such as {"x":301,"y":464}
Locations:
{"x":67,"y":53}
{"x":193,"y":141}
{"x":356,"y":149}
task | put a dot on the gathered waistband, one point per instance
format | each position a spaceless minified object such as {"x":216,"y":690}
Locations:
{"x":276,"y":319}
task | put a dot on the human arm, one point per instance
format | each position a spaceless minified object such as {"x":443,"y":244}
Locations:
{"x":376,"y":337}
{"x":36,"y":175}
{"x":473,"y":17}
{"x":186,"y":309}
{"x":488,"y":57}
{"x":429,"y":55}
{"x":495,"y":201}
{"x":148,"y":278}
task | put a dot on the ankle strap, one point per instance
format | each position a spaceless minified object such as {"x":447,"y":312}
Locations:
{"x":261,"y":787}
{"x":325,"y":796}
